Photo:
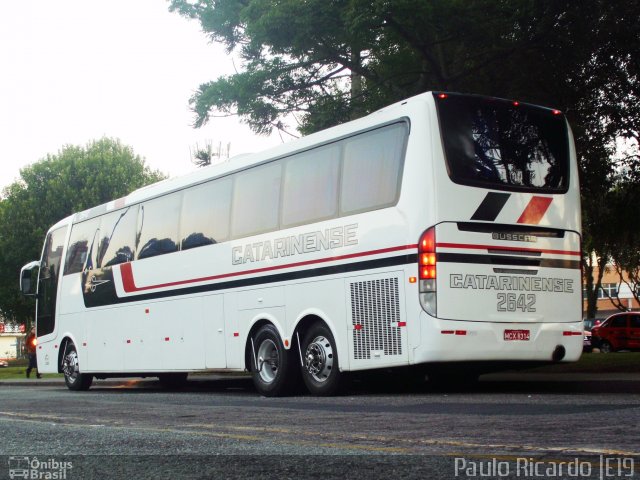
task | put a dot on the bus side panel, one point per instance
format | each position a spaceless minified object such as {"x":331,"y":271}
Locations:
{"x":214,"y":331}
{"x":326,"y":300}
{"x":176,"y":336}
{"x":105,"y":343}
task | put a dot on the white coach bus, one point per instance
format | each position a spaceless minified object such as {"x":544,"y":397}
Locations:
{"x":441,"y":231}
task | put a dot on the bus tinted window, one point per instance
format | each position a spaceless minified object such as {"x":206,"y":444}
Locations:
{"x":372,"y":169}
{"x":80,"y":244}
{"x":256,"y":198}
{"x":159,"y":221}
{"x":117,"y":237}
{"x":205,"y":214}
{"x":310,"y":189}
{"x":501,"y":144}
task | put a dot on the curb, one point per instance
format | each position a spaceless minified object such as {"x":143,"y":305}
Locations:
{"x":119,"y":381}
{"x":560,"y":377}
{"x":200,"y":379}
{"x":51,"y":382}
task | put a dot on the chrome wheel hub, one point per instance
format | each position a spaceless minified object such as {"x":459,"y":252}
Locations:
{"x":319,"y":359}
{"x":70,"y":366}
{"x":268,"y":360}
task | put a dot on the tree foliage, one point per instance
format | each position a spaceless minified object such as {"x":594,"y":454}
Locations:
{"x":301,"y":57}
{"x":323,"y":62}
{"x":74,"y":179}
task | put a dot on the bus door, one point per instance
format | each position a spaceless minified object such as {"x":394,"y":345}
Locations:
{"x":48,"y":281}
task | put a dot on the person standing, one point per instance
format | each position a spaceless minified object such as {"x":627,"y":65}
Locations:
{"x":30,"y":344}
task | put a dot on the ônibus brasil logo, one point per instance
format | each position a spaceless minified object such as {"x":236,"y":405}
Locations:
{"x":33,"y":468}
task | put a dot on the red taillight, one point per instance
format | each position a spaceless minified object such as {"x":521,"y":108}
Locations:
{"x":556,"y":112}
{"x":427,"y":266}
{"x":427,"y":258}
{"x":442,"y":96}
{"x":515,"y":104}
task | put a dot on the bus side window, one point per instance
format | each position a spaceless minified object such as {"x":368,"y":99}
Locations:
{"x":256,"y":198}
{"x":159,"y":219}
{"x":117,"y":237}
{"x":372,"y":169}
{"x":205,"y":214}
{"x":310,"y":187}
{"x":80,"y":243}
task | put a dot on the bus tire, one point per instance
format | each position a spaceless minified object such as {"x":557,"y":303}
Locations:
{"x":320,"y":372}
{"x":271,"y":365}
{"x":74,"y":380}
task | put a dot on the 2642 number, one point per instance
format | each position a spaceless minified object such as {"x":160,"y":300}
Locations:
{"x":512,"y":302}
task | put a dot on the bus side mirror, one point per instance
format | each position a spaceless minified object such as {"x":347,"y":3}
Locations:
{"x":29,"y":278}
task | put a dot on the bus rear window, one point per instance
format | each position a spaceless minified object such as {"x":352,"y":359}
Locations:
{"x":506,"y":145}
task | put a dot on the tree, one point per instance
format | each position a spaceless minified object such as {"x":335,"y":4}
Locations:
{"x":328,"y":61}
{"x":74,"y":179}
{"x":203,"y":157}
{"x":624,"y":238}
{"x":323,"y":62}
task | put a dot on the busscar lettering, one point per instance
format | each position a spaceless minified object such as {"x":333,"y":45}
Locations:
{"x":309,"y":242}
{"x":511,"y":282}
{"x":514,"y":237}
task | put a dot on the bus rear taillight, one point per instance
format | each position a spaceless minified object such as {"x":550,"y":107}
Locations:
{"x":427,"y":267}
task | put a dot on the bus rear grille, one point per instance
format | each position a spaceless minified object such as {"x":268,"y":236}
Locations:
{"x":375,"y":313}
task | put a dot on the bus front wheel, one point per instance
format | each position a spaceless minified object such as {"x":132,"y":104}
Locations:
{"x":71,"y":368}
{"x":271,"y":368}
{"x":320,"y":371}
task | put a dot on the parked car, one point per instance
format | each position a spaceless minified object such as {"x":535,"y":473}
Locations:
{"x":587,"y":345}
{"x":4,"y":363}
{"x":620,"y":331}
{"x":589,"y":323}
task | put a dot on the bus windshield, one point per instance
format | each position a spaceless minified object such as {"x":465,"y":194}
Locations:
{"x":504,"y":145}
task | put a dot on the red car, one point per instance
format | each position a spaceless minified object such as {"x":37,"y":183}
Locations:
{"x":618,"y":332}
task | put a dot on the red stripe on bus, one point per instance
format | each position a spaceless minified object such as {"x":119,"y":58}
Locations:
{"x":506,"y":249}
{"x":535,"y":210}
{"x":129,"y":285}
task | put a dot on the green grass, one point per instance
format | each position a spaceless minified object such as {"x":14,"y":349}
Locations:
{"x":620,"y":362}
{"x":13,"y":372}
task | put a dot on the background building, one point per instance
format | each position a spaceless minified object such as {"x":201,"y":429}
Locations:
{"x":609,"y":288}
{"x":11,"y":341}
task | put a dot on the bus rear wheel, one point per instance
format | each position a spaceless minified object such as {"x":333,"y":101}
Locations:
{"x":271,"y":365}
{"x":320,"y":371}
{"x":71,"y":368}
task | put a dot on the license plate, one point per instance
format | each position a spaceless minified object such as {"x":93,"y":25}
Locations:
{"x":516,"y":335}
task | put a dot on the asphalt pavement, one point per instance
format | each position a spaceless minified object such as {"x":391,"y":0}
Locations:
{"x":219,"y":427}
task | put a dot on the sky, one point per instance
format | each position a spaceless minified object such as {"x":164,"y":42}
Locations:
{"x":72,"y":71}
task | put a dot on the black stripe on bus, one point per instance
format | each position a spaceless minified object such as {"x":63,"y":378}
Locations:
{"x":504,"y":260}
{"x":491,"y":206}
{"x":261,"y":280}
